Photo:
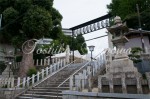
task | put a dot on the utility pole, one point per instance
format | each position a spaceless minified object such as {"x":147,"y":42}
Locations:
{"x":73,"y":45}
{"x":140,"y":28}
{"x":0,"y":21}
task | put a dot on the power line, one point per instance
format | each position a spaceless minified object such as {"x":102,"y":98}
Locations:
{"x":11,"y":22}
{"x":96,"y":38}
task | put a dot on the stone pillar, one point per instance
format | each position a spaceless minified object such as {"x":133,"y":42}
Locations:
{"x":90,"y":83}
{"x":124,"y":87}
{"x":111,"y":85}
{"x":110,"y":44}
{"x":99,"y":84}
{"x":67,"y":54}
{"x":139,"y":87}
{"x":148,"y":78}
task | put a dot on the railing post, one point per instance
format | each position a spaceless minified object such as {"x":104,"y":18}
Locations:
{"x":64,"y":62}
{"x":18,"y":82}
{"x":58,"y":65}
{"x":47,"y":71}
{"x":50,"y":69}
{"x":55,"y":66}
{"x":24,"y":82}
{"x":48,"y":61}
{"x":77,"y":82}
{"x":61,"y":63}
{"x":71,"y":83}
{"x":33,"y":79}
{"x":84,"y":78}
{"x":38,"y":76}
{"x":42,"y":73}
{"x":28,"y":81}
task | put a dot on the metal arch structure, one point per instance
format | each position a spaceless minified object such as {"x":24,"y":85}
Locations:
{"x":91,"y":26}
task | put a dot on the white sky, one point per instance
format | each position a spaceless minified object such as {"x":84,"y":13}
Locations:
{"x":76,"y":12}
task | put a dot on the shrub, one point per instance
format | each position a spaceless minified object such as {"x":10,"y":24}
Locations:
{"x":31,"y":71}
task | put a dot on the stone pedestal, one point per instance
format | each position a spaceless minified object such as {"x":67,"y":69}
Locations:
{"x":124,"y":65}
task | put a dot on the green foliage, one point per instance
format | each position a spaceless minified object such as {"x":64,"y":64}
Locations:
{"x":135,"y":54}
{"x":28,"y":19}
{"x":10,"y":14}
{"x":37,"y":22}
{"x":31,"y":71}
{"x":77,"y":43}
{"x":127,"y":10}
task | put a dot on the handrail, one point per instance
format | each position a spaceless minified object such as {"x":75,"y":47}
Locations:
{"x":78,"y":70}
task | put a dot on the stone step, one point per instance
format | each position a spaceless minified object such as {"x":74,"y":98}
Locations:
{"x":45,"y":93}
{"x":41,"y":96}
{"x":24,"y":97}
{"x":63,"y":88}
{"x":54,"y":85}
{"x":46,"y":90}
{"x":58,"y":82}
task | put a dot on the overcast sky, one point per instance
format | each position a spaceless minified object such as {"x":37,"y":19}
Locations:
{"x":76,"y":12}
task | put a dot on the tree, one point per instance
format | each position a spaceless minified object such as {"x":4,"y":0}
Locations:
{"x":77,"y":43}
{"x":28,"y":19}
{"x":126,"y":9}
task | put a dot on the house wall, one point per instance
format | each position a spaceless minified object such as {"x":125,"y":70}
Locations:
{"x":136,"y":42}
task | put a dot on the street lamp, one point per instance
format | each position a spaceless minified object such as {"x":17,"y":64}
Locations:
{"x":91,"y":48}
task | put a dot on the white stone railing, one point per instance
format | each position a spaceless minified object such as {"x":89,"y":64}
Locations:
{"x":46,"y":61}
{"x":79,"y":81}
{"x":29,"y":81}
{"x":39,"y":62}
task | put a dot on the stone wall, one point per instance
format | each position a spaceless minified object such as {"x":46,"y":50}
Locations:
{"x":93,"y":95}
{"x":8,"y":93}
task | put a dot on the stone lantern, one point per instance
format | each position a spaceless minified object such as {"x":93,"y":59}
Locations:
{"x":9,"y":58}
{"x":121,"y":62}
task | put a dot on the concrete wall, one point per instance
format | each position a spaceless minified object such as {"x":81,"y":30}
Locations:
{"x":93,"y":95}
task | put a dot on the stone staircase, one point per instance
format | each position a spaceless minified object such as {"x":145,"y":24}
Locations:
{"x":49,"y":89}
